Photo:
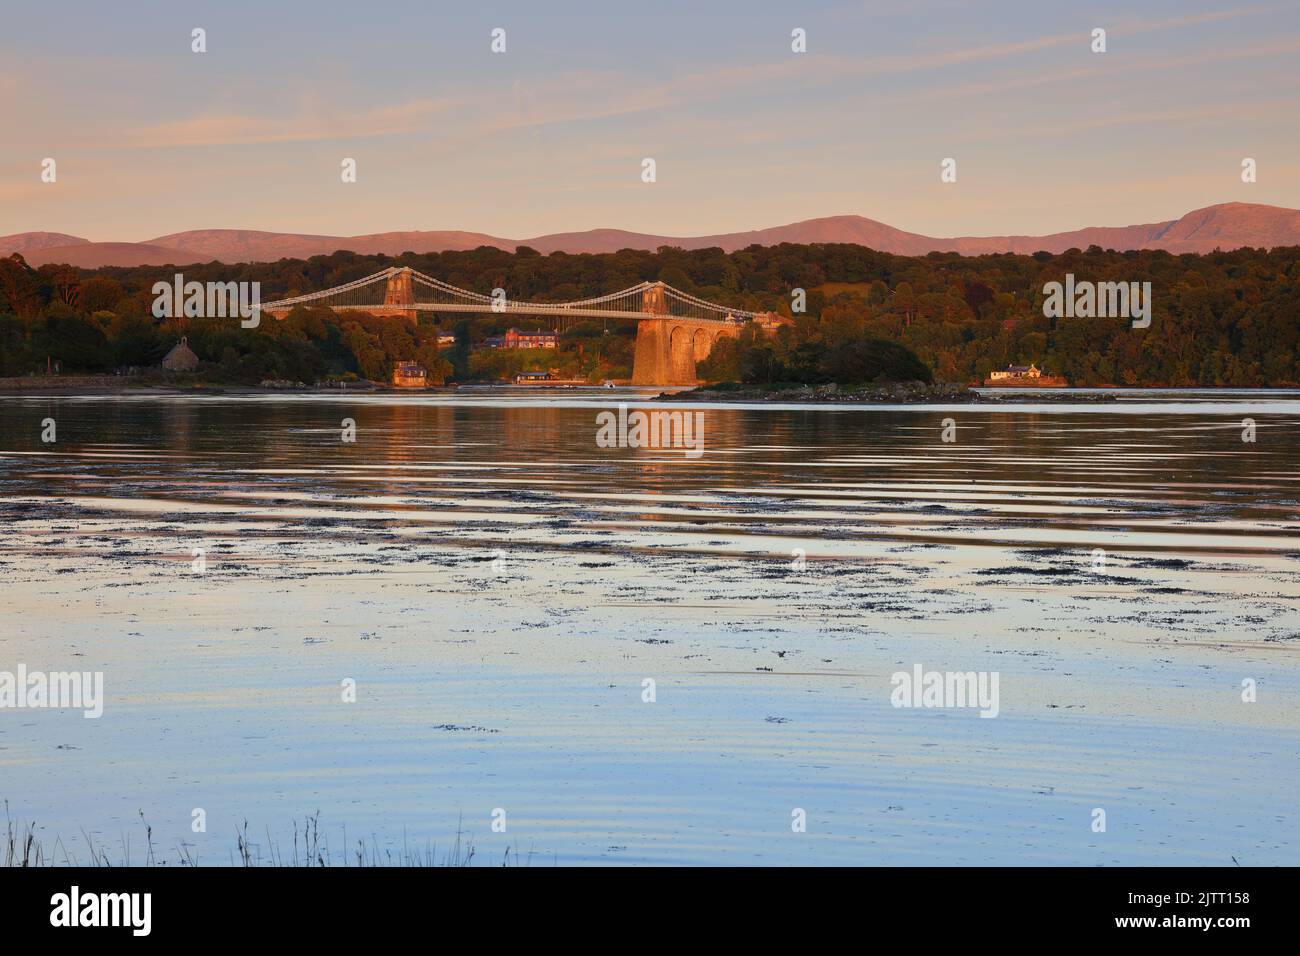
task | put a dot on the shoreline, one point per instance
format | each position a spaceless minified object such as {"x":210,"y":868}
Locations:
{"x":896,"y":393}
{"x":899,"y":393}
{"x":74,"y":385}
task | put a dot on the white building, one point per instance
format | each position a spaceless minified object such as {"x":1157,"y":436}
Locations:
{"x":1015,"y":372}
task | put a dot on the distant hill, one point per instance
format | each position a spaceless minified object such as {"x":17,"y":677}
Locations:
{"x":25,"y":242}
{"x":241,"y":245}
{"x":1224,"y":226}
{"x":92,"y":255}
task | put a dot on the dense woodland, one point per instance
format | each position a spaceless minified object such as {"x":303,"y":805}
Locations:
{"x":1219,"y":319}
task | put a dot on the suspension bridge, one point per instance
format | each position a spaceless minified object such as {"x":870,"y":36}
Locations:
{"x":675,"y":330}
{"x":403,"y":291}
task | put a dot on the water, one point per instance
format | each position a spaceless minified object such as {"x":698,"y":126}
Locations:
{"x":499,"y":588}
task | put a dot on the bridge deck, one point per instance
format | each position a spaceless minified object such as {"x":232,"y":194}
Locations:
{"x":523,"y":308}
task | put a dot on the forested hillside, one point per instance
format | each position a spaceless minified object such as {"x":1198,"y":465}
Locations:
{"x":1217,"y":319}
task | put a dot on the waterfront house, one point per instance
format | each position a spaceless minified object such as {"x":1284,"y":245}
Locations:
{"x":1015,"y":372}
{"x":410,"y":375}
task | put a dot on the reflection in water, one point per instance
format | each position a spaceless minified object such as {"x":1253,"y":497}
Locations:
{"x":500,"y":587}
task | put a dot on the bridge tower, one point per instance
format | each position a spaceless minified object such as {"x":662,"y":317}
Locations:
{"x":400,"y":291}
{"x":653,"y":301}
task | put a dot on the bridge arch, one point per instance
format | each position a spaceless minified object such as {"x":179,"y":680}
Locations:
{"x":681,"y":354}
{"x":703,"y":344}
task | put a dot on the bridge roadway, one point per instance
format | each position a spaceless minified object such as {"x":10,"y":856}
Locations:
{"x":523,"y":308}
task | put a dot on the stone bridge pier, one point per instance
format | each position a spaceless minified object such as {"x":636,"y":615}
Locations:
{"x":667,"y":348}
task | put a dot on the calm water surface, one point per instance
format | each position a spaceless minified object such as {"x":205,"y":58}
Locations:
{"x":499,"y":588}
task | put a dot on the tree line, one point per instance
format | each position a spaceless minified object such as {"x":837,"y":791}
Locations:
{"x":1224,"y":318}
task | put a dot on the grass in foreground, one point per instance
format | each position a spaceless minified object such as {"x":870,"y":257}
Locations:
{"x":22,"y":847}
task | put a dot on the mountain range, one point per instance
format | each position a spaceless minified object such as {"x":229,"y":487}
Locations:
{"x":1224,"y":226}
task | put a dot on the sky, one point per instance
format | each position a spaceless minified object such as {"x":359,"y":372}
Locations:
{"x":151,"y":138}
